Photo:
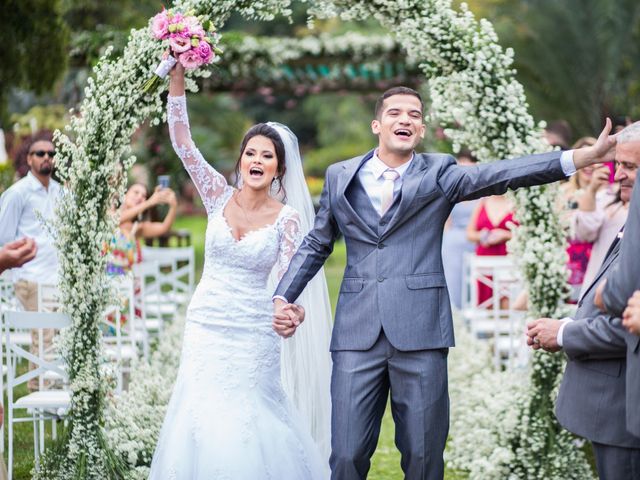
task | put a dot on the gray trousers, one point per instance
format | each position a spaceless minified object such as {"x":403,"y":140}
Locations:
{"x":360,"y":386}
{"x":616,"y":463}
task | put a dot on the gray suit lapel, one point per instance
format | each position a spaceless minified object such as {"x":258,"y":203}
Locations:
{"x":613,"y":254}
{"x":350,"y":171}
{"x":410,"y":184}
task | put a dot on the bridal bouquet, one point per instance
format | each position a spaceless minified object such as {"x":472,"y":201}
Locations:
{"x":189,"y":43}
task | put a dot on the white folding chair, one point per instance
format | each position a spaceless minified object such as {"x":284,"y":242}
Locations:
{"x":43,"y":404}
{"x":180,"y":263}
{"x":121,"y":332}
{"x":481,"y":316}
{"x":147,"y":282}
{"x":509,"y":345}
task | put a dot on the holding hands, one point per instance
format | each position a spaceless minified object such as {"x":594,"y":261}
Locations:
{"x":543,"y":334}
{"x":631,"y":315}
{"x":287,"y":317}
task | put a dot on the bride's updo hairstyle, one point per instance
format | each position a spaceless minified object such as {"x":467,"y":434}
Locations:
{"x":262,"y":129}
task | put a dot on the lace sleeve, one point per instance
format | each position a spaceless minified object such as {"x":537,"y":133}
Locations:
{"x":290,"y":239}
{"x":210,"y":183}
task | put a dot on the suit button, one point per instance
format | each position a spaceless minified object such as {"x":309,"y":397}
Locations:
{"x":381,"y":246}
{"x":380,"y":279}
{"x":383,"y":223}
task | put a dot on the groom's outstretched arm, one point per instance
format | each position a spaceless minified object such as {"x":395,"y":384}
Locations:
{"x":467,"y":183}
{"x":314,"y":250}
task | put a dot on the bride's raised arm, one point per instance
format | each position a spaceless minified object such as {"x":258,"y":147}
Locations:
{"x":210,"y":183}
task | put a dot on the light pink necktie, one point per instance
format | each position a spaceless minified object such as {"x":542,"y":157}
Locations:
{"x":390,"y":177}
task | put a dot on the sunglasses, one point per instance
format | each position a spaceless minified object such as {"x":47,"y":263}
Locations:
{"x":42,"y":153}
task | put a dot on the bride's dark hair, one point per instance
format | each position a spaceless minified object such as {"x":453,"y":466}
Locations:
{"x":262,"y":129}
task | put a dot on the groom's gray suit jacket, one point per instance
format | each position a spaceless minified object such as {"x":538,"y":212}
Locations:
{"x":394,"y":276}
{"x":591,"y":402}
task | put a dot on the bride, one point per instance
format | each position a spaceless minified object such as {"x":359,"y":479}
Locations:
{"x":229,"y":416}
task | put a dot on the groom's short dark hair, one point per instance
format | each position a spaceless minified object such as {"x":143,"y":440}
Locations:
{"x":400,"y":90}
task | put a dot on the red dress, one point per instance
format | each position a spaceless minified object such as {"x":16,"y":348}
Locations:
{"x":484,"y":223}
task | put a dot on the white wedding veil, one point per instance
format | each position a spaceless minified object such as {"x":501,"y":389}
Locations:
{"x":306,"y":360}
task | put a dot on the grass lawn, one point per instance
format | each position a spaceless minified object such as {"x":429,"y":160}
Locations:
{"x":386,"y":461}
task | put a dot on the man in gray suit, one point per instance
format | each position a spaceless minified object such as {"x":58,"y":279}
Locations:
{"x":614,"y":292}
{"x":595,"y":401}
{"x":393,"y":325}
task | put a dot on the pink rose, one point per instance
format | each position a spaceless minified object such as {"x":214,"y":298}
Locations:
{"x":177,"y":18}
{"x":193,"y":26}
{"x":179,"y":43}
{"x":204,"y":51}
{"x":190,"y":60}
{"x":160,"y":26}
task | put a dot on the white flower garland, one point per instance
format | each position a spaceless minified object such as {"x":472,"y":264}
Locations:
{"x":473,"y":89}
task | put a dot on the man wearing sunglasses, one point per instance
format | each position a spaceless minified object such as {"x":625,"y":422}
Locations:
{"x":23,"y":207}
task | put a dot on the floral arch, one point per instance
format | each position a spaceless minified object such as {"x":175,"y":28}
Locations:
{"x":473,"y":90}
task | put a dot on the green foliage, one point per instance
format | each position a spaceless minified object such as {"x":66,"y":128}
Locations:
{"x":578,"y":59}
{"x":7,"y":176}
{"x":317,"y":160}
{"x":34,"y":36}
{"x":46,"y":117}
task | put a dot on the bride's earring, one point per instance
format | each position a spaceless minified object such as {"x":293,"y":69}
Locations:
{"x":276,"y":185}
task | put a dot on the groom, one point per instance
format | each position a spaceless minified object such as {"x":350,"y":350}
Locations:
{"x":393,"y":325}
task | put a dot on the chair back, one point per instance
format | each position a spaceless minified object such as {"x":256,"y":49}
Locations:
{"x":177,"y":269}
{"x":47,"y":360}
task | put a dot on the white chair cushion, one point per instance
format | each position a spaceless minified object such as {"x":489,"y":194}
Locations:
{"x":49,"y":399}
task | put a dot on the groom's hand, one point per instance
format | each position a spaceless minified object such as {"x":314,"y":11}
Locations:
{"x":286,"y":318}
{"x":602,"y":151}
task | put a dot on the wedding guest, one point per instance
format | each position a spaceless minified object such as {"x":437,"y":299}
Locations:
{"x":454,"y":240}
{"x":490,"y":229}
{"x":601,"y":212}
{"x":23,"y":207}
{"x":613,"y":293}
{"x":124,"y":247}
{"x":578,"y":251}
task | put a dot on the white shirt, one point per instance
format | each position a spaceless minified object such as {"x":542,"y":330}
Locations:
{"x":18,"y":219}
{"x":370,"y":176}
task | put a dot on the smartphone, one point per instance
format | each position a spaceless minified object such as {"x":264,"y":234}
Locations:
{"x":163,"y":181}
{"x":612,"y":171}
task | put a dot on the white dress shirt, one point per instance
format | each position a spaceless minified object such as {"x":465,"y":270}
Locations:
{"x":370,"y":176}
{"x":18,"y":219}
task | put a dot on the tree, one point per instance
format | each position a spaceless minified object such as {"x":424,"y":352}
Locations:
{"x":576,"y":58}
{"x":34,"y":38}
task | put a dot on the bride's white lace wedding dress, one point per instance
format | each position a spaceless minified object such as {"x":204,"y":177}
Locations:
{"x":229,"y":418}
